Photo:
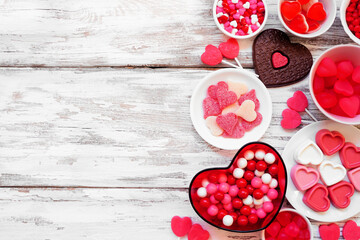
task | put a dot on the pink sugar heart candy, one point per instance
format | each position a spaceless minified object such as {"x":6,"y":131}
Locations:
{"x":344,"y":69}
{"x":343,"y":87}
{"x":356,"y":75}
{"x":230,"y":49}
{"x":225,"y":98}
{"x":298,"y":102}
{"x":248,"y":126}
{"x":212,"y":89}
{"x":251,"y":95}
{"x":211,"y":107}
{"x":212,"y":56}
{"x":180,"y":226}
{"x":291,"y":119}
{"x":238,"y":132}
{"x":227,"y":122}
{"x":350,"y":105}
{"x":326,"y":68}
{"x":318,"y":84}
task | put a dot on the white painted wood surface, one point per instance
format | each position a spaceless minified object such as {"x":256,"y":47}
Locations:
{"x":94,"y":144}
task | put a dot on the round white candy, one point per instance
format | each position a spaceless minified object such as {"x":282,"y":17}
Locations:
{"x":205,"y":182}
{"x":258,"y":206}
{"x":269,"y":158}
{"x":248,"y":201}
{"x":201,"y":192}
{"x":251,"y":205}
{"x":273,"y":183}
{"x":260,"y":154}
{"x":242,"y":163}
{"x":266,"y":199}
{"x":258,"y":173}
{"x":238,"y":173}
{"x":228,"y":220}
{"x":266,"y":178}
{"x":258,"y":201}
{"x":249,"y":155}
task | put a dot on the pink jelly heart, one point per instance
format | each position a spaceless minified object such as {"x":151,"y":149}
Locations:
{"x":273,"y":229}
{"x":304,"y":177}
{"x":279,"y":60}
{"x":350,"y":105}
{"x":230,"y":49}
{"x":343,"y":87}
{"x":198,"y":233}
{"x":212,"y":55}
{"x":330,"y":81}
{"x":326,"y":99}
{"x":298,"y":102}
{"x":225,"y":97}
{"x":212,"y":89}
{"x":292,"y":230}
{"x":316,"y":12}
{"x":227,"y":122}
{"x":354,"y":177}
{"x":289,"y":9}
{"x":251,"y":95}
{"x":180,"y":226}
{"x":211,"y":107}
{"x":344,"y":69}
{"x":318,"y":84}
{"x":329,"y":142}
{"x":340,"y":194}
{"x":284,"y":218}
{"x":350,"y":155}
{"x":317,"y":199}
{"x":238,"y":132}
{"x":329,"y":232}
{"x":291,"y":119}
{"x":356,"y":75}
{"x":248,"y":126}
{"x":300,"y":221}
{"x":351,"y":231}
{"x":299,"y":24}
{"x":326,"y":68}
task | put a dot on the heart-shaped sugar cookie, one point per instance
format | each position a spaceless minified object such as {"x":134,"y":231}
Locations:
{"x":247,"y":111}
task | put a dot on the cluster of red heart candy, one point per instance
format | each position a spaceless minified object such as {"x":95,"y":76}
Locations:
{"x":303,"y":16}
{"x":351,"y":231}
{"x":182,"y":226}
{"x":288,"y":225}
{"x":353,"y":17}
{"x":337,"y":87}
{"x":291,"y":117}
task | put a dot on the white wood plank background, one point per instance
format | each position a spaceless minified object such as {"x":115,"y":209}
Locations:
{"x":95,"y":134}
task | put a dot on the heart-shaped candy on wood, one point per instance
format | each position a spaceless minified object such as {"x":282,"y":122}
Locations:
{"x":180,"y":226}
{"x":341,"y":193}
{"x":317,"y":198}
{"x":304,"y":177}
{"x":351,"y":231}
{"x":329,"y":232}
{"x":198,"y":233}
{"x":329,"y":142}
{"x":266,"y":44}
{"x":354,"y":177}
{"x":212,"y":55}
{"x":350,"y":156}
{"x":214,"y":194}
{"x":230,"y":49}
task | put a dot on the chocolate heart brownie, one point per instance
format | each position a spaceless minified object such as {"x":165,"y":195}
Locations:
{"x":279,"y":62}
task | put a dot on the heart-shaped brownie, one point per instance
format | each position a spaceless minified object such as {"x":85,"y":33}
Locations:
{"x":273,"y":41}
{"x":245,"y":196}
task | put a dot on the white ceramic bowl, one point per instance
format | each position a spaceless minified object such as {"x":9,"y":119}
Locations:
{"x":330,"y":8}
{"x":302,"y":215}
{"x":337,"y":53}
{"x":236,"y":36}
{"x":344,"y":5}
{"x":238,"y":75}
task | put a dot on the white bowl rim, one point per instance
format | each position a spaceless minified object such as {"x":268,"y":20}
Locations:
{"x":343,"y":7}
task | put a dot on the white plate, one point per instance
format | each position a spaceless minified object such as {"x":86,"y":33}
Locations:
{"x":238,"y":75}
{"x":351,"y":134}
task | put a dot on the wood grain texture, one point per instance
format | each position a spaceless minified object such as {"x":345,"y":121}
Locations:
{"x":123,"y":33}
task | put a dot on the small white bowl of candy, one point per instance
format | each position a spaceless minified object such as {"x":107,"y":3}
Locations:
{"x":240,"y":19}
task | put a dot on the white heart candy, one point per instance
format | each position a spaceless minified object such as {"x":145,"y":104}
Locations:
{"x":247,"y":111}
{"x":309,"y":153}
{"x":213,"y":126}
{"x":238,"y":88}
{"x":246,"y":5}
{"x":331,"y":173}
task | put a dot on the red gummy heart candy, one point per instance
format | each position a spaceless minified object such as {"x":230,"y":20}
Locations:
{"x":337,"y":111}
{"x":238,"y":132}
{"x":212,"y":55}
{"x":344,"y":69}
{"x":284,"y":218}
{"x":326,"y":68}
{"x":230,"y":49}
{"x":198,"y":233}
{"x":298,"y":102}
{"x":251,"y":95}
{"x":213,"y":89}
{"x":351,"y":231}
{"x":273,"y":229}
{"x":292,"y":230}
{"x":304,"y":235}
{"x":227,"y":122}
{"x":356,"y":75}
{"x":330,"y":81}
{"x":283,"y":236}
{"x":350,"y":105}
{"x":343,"y":87}
{"x":316,"y":12}
{"x":289,"y":9}
{"x":300,"y":222}
{"x":291,"y":119}
{"x":278,"y":60}
{"x":180,"y":226}
{"x":313,"y":25}
{"x":299,"y":24}
{"x":211,"y":107}
{"x":326,"y":99}
{"x":248,"y":126}
{"x":318,"y":84}
{"x":303,"y":2}
{"x":329,"y":232}
{"x":225,"y":97}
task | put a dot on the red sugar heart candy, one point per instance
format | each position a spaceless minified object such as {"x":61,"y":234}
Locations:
{"x":284,"y":218}
{"x":289,"y":9}
{"x":212,"y":55}
{"x":238,"y":132}
{"x":329,"y":232}
{"x":278,"y":60}
{"x":343,"y":87}
{"x":298,"y":102}
{"x":316,"y":12}
{"x":318,"y":84}
{"x":292,"y":230}
{"x":299,"y":24}
{"x":230,"y":49}
{"x":198,"y":233}
{"x":326,"y":68}
{"x":326,"y":99}
{"x":350,"y":105}
{"x":341,"y":193}
{"x":225,"y":97}
{"x":180,"y":226}
{"x":291,"y":119}
{"x":351,"y":231}
{"x":356,"y":75}
{"x":273,"y":229}
{"x":313,"y":25}
{"x":227,"y":122}
{"x":213,"y":89}
{"x":300,"y":222}
{"x":350,"y":156}
{"x":248,"y":126}
{"x":330,"y":81}
{"x":344,"y":69}
{"x":317,"y":199}
{"x":330,"y":142}
{"x":251,"y":95}
{"x":211,"y":107}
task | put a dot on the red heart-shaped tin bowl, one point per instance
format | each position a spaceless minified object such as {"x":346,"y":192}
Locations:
{"x":216,"y":177}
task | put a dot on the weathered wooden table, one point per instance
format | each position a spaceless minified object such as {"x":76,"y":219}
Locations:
{"x":95,"y":134}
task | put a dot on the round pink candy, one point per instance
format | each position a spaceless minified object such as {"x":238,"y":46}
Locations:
{"x":222,"y":178}
{"x":256,"y":182}
{"x":272,"y":194}
{"x":233,"y":190}
{"x":264,"y":188}
{"x":268,"y":206}
{"x":224,"y":187}
{"x":213,"y":199}
{"x":211,"y":188}
{"x":228,"y":207}
{"x":227,"y":199}
{"x":253,"y":211}
{"x":213,"y":210}
{"x":261,"y":213}
{"x":260,"y":4}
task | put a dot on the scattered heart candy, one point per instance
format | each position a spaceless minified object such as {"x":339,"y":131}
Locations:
{"x":279,"y":60}
{"x":298,"y":102}
{"x":213,"y":89}
{"x":230,"y":49}
{"x":212,"y":55}
{"x":180,"y":226}
{"x":291,"y":119}
{"x":351,"y":231}
{"x":198,"y":233}
{"x":225,"y":97}
{"x":329,"y":232}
